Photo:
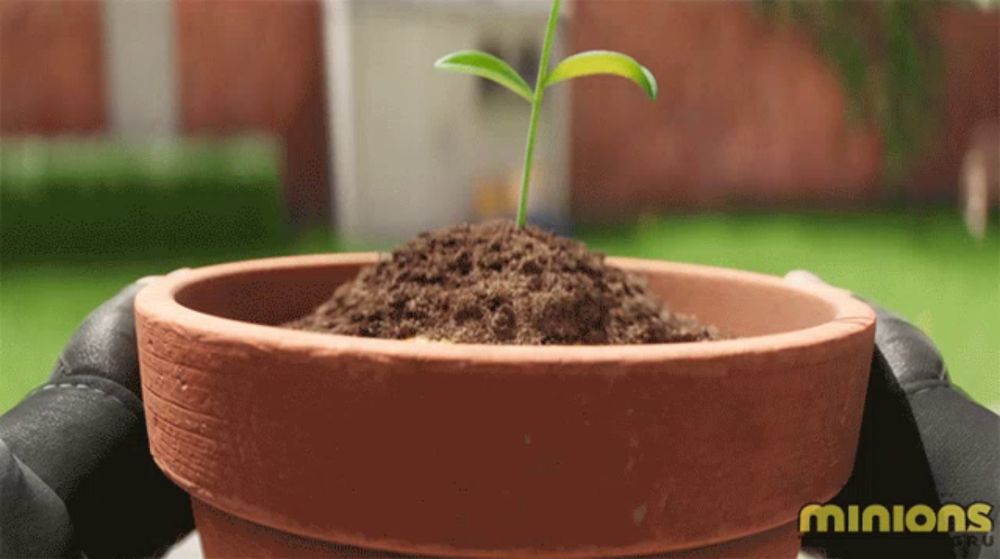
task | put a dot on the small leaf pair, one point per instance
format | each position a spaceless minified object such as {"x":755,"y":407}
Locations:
{"x":590,"y":63}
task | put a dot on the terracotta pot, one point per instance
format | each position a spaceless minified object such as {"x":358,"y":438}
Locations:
{"x":297,"y":444}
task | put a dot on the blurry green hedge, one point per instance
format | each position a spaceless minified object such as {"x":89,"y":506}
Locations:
{"x":69,"y":198}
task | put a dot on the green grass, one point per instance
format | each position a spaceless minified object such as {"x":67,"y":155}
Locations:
{"x":924,"y":266}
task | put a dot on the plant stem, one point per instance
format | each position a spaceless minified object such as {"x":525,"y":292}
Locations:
{"x":536,"y":110}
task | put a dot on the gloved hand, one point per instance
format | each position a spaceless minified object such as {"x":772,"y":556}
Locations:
{"x":80,"y":440}
{"x":77,"y":475}
{"x":923,"y":441}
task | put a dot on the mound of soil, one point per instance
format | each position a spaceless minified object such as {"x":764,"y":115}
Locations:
{"x":492,"y":283}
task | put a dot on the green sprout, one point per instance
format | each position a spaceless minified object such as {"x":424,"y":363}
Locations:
{"x":590,"y":63}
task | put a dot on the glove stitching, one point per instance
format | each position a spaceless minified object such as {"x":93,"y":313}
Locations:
{"x":84,"y":387}
{"x":926,"y":387}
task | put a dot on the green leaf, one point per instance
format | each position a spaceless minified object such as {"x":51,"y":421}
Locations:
{"x":485,"y":65}
{"x":604,"y":62}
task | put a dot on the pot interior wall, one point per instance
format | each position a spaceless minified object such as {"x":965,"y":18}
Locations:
{"x":732,"y":302}
{"x":266,"y":296}
{"x":738,"y":303}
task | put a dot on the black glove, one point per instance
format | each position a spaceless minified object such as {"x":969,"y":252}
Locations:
{"x":922,"y":441}
{"x":83,"y":436}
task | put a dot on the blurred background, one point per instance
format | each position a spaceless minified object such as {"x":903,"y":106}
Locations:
{"x":859,"y":140}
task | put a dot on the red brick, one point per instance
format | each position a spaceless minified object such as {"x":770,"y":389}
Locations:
{"x":51,"y":67}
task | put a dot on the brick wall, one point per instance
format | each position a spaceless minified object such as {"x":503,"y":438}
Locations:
{"x":246,"y":65}
{"x":258,"y":66}
{"x":242,"y":67}
{"x":51,"y":67}
{"x":750,"y":113}
{"x":971,"y":59}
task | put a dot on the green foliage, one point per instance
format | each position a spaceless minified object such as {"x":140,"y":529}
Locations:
{"x":887,"y":55}
{"x":585,"y":64}
{"x":84,"y":198}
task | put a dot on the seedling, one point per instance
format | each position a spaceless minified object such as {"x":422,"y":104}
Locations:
{"x":590,"y":63}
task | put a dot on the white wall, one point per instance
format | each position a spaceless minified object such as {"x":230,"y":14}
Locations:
{"x":409,"y":142}
{"x":141,"y":74}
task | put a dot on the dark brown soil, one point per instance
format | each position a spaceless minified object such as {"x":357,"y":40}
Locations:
{"x":494,"y":284}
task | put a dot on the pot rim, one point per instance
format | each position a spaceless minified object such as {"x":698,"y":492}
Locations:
{"x":158,"y":301}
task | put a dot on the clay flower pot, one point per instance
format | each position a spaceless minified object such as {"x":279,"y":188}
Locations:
{"x":299,"y":444}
